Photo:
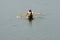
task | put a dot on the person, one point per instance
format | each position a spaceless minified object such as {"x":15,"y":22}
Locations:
{"x":29,"y":14}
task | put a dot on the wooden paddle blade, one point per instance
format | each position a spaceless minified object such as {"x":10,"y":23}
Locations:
{"x":36,"y":14}
{"x":22,"y":15}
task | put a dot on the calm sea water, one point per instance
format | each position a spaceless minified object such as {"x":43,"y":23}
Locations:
{"x":44,"y":27}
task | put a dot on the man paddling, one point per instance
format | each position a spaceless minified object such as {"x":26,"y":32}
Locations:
{"x":29,"y":14}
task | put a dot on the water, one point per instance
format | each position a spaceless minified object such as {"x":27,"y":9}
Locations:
{"x":45,"y":27}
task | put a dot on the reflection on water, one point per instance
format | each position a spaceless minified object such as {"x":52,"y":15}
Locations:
{"x":30,"y":22}
{"x":35,"y":20}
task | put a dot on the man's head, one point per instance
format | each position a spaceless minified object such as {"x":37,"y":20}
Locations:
{"x":30,"y":10}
